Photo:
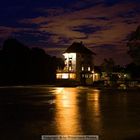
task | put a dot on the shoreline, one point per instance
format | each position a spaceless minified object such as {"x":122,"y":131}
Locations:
{"x":71,"y":86}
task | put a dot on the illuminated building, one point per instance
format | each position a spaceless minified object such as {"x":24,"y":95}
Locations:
{"x":78,"y":64}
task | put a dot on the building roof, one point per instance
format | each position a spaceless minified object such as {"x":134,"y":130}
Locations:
{"x":77,"y":47}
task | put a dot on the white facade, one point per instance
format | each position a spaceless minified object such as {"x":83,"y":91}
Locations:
{"x":70,"y":62}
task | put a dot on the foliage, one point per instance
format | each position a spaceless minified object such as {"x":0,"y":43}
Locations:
{"x":108,"y":65}
{"x":134,"y":70}
{"x":22,"y":65}
{"x":134,"y":46}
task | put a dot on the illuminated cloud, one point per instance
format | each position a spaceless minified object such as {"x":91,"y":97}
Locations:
{"x":102,"y":25}
{"x":7,"y":31}
{"x":36,"y":20}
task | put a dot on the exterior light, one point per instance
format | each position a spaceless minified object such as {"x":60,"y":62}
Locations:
{"x":92,"y":71}
{"x":88,"y":68}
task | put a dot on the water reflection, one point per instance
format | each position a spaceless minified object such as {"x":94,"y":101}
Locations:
{"x":94,"y":106}
{"x":93,"y":99}
{"x":67,"y":114}
{"x":89,"y":106}
{"x":77,"y":111}
{"x":30,"y":112}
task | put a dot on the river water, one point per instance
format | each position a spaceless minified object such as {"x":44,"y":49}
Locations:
{"x":28,"y":112}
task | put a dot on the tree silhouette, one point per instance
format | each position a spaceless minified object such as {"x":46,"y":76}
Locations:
{"x":108,"y":65}
{"x":21,"y":65}
{"x":134,"y":51}
{"x":15,"y":61}
{"x":134,"y":46}
{"x":134,"y":70}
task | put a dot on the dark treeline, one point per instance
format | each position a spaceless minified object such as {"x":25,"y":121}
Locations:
{"x":22,"y":65}
{"x":133,"y":45}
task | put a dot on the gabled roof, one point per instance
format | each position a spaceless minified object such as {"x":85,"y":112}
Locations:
{"x":77,"y":47}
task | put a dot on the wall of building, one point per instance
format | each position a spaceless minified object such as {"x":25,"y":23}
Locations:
{"x":84,"y":66}
{"x":78,"y":67}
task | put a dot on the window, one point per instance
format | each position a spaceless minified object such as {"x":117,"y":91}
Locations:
{"x":59,"y":76}
{"x":70,"y":68}
{"x":86,"y":75}
{"x":88,"y":68}
{"x":72,"y":76}
{"x":83,"y":75}
{"x":82,"y":68}
{"x":64,"y":75}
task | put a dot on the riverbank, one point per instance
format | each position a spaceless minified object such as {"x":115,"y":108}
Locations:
{"x":66,"y":83}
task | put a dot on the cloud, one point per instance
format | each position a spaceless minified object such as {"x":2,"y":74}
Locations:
{"x":36,"y":20}
{"x":101,"y":25}
{"x":7,"y":31}
{"x":110,"y":26}
{"x":28,"y":36}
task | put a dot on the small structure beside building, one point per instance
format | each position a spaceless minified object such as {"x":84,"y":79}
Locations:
{"x":79,"y":65}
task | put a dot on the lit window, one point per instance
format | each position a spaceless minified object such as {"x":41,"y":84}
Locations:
{"x":72,"y":76}
{"x":90,"y":76}
{"x":70,"y":68}
{"x":82,"y":68}
{"x":88,"y":68}
{"x":86,"y":75}
{"x":65,"y":61}
{"x":83,"y":75}
{"x":65,"y":76}
{"x":59,"y":76}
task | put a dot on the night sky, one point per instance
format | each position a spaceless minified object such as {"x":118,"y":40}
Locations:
{"x":102,"y":25}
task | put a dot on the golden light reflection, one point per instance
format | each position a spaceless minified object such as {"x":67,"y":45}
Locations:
{"x":59,"y":90}
{"x":95,"y":111}
{"x":96,"y":102}
{"x":76,"y":107}
{"x":67,"y":115}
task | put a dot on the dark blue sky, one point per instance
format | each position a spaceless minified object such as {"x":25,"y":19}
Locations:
{"x":103,"y":25}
